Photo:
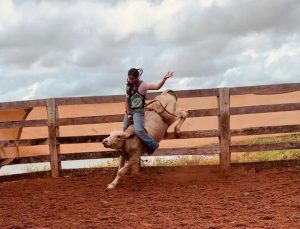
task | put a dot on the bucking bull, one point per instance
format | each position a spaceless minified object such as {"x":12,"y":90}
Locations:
{"x":159,"y":115}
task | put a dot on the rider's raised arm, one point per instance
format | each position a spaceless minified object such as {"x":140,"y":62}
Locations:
{"x":157,"y":86}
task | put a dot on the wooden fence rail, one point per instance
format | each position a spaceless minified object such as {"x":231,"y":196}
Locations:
{"x":119,"y":117}
{"x":223,"y":112}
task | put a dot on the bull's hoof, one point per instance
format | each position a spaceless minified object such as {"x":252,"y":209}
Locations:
{"x":109,"y":187}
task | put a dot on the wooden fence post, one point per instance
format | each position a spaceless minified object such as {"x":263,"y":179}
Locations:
{"x":224,"y":128}
{"x":57,"y":135}
{"x":53,"y":131}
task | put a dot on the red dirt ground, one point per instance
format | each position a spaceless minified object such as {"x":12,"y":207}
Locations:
{"x":180,"y":198}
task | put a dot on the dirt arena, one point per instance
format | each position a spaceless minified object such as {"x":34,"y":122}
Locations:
{"x":178,"y":198}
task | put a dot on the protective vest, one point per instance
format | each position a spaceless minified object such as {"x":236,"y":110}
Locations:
{"x":135,"y":99}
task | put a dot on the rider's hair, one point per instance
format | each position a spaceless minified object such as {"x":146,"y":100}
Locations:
{"x":135,"y":72}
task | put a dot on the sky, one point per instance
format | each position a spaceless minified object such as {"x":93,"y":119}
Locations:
{"x":61,"y":48}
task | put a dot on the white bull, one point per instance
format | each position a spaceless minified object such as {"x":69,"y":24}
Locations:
{"x":159,"y":115}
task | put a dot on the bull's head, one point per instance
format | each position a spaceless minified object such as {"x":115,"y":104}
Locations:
{"x":115,"y":140}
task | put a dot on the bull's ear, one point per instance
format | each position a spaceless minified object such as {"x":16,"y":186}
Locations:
{"x":129,"y":132}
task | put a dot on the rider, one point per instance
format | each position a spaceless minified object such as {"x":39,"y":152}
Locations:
{"x":136,"y":90}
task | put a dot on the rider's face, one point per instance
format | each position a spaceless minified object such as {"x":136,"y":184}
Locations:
{"x":132,"y":79}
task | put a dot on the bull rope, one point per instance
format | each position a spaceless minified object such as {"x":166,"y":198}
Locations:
{"x":164,"y":107}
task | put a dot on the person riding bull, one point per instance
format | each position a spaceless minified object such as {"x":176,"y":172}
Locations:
{"x":136,"y":90}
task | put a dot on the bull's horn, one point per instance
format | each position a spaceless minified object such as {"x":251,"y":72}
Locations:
{"x":128,"y":134}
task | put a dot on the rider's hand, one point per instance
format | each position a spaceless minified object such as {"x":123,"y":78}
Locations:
{"x":168,"y":75}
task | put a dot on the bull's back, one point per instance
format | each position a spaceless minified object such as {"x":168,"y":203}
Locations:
{"x":155,"y":125}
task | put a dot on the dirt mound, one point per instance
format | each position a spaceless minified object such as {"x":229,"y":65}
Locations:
{"x":184,"y":198}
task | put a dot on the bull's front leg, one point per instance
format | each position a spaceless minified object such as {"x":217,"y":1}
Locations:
{"x":122,"y":171}
{"x":182,"y":115}
{"x":133,"y":163}
{"x":122,"y":160}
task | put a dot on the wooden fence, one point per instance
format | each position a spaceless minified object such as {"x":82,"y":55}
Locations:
{"x":223,"y":111}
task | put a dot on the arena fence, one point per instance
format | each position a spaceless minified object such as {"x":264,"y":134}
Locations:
{"x":223,"y":112}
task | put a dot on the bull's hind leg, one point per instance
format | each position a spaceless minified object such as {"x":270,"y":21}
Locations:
{"x":182,"y":115}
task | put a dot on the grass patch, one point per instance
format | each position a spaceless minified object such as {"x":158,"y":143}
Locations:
{"x":268,"y":140}
{"x":268,"y":155}
{"x":273,"y":155}
{"x":264,"y":155}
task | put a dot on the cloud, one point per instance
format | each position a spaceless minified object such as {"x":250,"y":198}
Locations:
{"x":63,"y":48}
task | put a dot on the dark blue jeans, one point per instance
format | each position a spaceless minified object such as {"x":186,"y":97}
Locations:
{"x":138,"y":116}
